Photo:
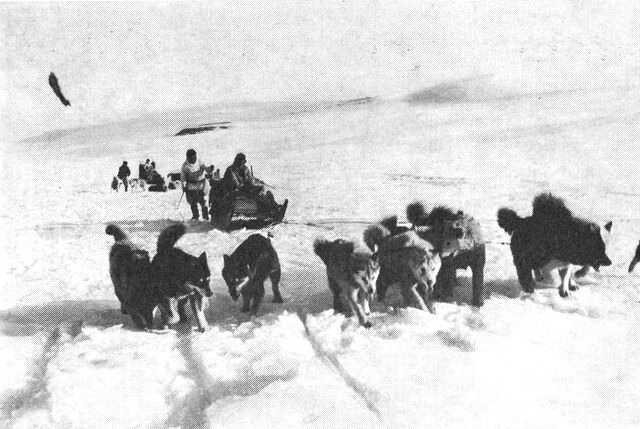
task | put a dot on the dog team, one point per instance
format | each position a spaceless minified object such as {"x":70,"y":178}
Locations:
{"x":421,"y":260}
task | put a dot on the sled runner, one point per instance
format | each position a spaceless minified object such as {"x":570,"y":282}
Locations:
{"x":237,"y":210}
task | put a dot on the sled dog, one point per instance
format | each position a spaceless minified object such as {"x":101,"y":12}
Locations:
{"x":180,"y":278}
{"x":115,"y":183}
{"x":247,"y":268}
{"x":407,"y":260}
{"x":137,"y":184}
{"x":553,"y":238}
{"x":352,"y":276}
{"x":461,"y":243}
{"x":130,"y":271}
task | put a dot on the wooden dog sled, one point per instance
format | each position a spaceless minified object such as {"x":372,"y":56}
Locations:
{"x":238,"y":210}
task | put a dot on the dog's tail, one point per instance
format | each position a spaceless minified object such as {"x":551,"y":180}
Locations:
{"x":549,"y":206}
{"x":116,"y":232}
{"x":332,"y":250}
{"x":374,"y":235}
{"x":169,"y":236}
{"x":417,"y":214}
{"x":509,"y":220}
{"x":322,"y":248}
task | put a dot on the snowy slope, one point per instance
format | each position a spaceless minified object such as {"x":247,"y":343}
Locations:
{"x":519,"y":360}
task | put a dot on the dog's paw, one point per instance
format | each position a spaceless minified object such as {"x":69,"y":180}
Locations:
{"x":574,"y":287}
{"x":563,"y":293}
{"x":367,"y":324}
{"x":278,"y":299}
{"x":246,"y":309}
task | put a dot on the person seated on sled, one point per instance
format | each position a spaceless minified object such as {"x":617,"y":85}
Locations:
{"x":142,"y":170}
{"x":238,"y":179}
{"x":192,"y":176}
{"x":153,"y":177}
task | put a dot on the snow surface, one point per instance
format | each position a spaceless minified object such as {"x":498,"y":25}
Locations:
{"x":564,"y":119}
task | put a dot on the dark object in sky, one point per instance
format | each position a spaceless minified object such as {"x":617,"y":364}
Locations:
{"x":53,"y":82}
{"x":204,"y":127}
{"x":636,"y":259}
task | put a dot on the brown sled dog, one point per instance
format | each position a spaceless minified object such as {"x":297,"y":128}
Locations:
{"x":407,"y":260}
{"x":461,"y":243}
{"x":352,"y":276}
{"x":180,"y":278}
{"x":130,"y":271}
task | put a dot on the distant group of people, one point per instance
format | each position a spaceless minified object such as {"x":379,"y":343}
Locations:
{"x":146,"y":172}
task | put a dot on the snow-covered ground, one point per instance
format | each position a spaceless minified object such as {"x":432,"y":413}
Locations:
{"x":477,"y":107}
{"x":533,"y":361}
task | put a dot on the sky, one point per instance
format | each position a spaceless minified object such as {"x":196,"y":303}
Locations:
{"x":119,"y":60}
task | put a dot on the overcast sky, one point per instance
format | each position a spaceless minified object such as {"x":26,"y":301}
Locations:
{"x":118,"y":60}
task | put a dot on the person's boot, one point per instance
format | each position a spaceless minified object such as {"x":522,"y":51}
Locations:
{"x":205,"y":213}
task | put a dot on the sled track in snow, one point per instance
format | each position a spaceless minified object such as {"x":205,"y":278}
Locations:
{"x":35,"y":394}
{"x":359,"y":389}
{"x":191,"y":411}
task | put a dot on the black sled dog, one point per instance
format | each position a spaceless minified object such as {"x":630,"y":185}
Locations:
{"x":247,"y":268}
{"x":130,"y":270}
{"x":352,"y":276}
{"x":552,"y":238}
{"x":405,"y":259}
{"x":461,"y":243}
{"x":180,"y":278}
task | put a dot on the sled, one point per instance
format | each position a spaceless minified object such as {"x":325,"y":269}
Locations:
{"x":237,"y":211}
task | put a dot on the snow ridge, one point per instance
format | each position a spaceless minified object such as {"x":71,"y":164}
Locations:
{"x":35,"y":394}
{"x":367,"y":396}
{"x":190,"y":412}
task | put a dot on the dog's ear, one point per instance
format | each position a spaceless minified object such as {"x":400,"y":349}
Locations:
{"x":226,"y":259}
{"x":203,"y":257}
{"x":608,"y":226}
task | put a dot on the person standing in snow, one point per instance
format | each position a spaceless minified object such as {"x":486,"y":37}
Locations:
{"x":123,"y":174}
{"x":193,"y":179}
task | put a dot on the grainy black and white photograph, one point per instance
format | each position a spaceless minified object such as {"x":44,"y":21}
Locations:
{"x":320,"y":214}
